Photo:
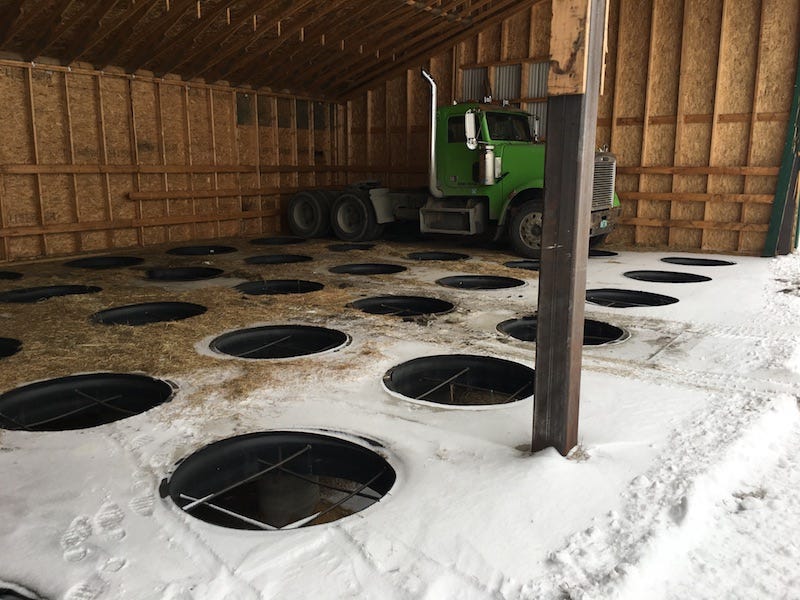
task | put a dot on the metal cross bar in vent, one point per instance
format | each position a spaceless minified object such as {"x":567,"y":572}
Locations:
{"x":341,"y":501}
{"x":443,"y":383}
{"x":230,"y":513}
{"x":252,"y":477}
{"x":319,"y":483}
{"x":15,"y":422}
{"x":259,"y":348}
{"x":95,"y":402}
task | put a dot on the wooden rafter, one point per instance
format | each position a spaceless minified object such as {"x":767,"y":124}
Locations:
{"x":143,"y":51}
{"x":123,"y":33}
{"x":90,"y":33}
{"x":53,"y":29}
{"x":437,"y":11}
{"x":11,"y":18}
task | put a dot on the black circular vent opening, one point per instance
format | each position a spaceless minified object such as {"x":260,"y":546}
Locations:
{"x":367,"y":269}
{"x":183,"y":273}
{"x":277,"y":259}
{"x":10,"y":275}
{"x":437,"y":256}
{"x":461,"y":380}
{"x":36,"y":294}
{"x":9,"y":346}
{"x":279,"y":286}
{"x":201,"y":250}
{"x":148,"y":312}
{"x":530,"y":265}
{"x":479,"y":282}
{"x":596,"y":253}
{"x":104,"y":262}
{"x":616,"y":298}
{"x":278,"y":240}
{"x":279,"y":341}
{"x":403,"y":306}
{"x":350,"y":246}
{"x":595,"y":333}
{"x":697,"y":262}
{"x":666,"y":276}
{"x":80,"y":401}
{"x":279,"y":480}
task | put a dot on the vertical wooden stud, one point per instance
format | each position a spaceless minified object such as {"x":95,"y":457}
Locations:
{"x":162,"y":148}
{"x":37,"y":176}
{"x":135,"y":154}
{"x":213,"y":131}
{"x":103,"y":145}
{"x":71,"y":145}
{"x":189,"y":159}
{"x":680,"y":118}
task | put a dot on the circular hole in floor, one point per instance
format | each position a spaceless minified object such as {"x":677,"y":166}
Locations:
{"x":529,"y":264}
{"x":279,"y":341}
{"x":437,"y":256}
{"x":80,"y":401}
{"x":279,"y":480}
{"x":12,"y":591}
{"x":697,"y":262}
{"x":479,"y":282}
{"x":595,"y":333}
{"x":666,"y":276}
{"x":278,"y":240}
{"x":616,"y":298}
{"x":367,"y":269}
{"x":402,"y":306}
{"x":596,"y":253}
{"x":461,"y":380}
{"x":183,"y":273}
{"x":104,"y":262}
{"x":36,"y":294}
{"x":148,"y":312}
{"x":10,"y":275}
{"x":350,"y":246}
{"x":201,"y":250}
{"x":277,"y":259}
{"x":9,"y":346}
{"x":279,"y":286}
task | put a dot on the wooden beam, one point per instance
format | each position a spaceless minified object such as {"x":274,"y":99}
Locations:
{"x":144,"y":49}
{"x":93,"y":32}
{"x":124,"y":31}
{"x":53,"y":28}
{"x":569,"y":166}
{"x":13,"y":20}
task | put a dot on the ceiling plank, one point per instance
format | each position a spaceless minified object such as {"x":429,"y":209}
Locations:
{"x":124,"y":31}
{"x":54,"y":29}
{"x":15,"y":20}
{"x":91,"y":33}
{"x":143,"y":50}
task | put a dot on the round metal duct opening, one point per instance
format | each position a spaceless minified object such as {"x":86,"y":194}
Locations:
{"x":80,"y":401}
{"x":530,"y":265}
{"x":697,"y":262}
{"x":279,"y":286}
{"x":201,"y":250}
{"x":479,"y":282}
{"x":183,"y":273}
{"x":616,"y":298}
{"x":104,"y":262}
{"x":437,"y":256}
{"x":461,"y":380}
{"x":10,"y":275}
{"x":148,"y":312}
{"x":402,"y":306}
{"x":278,"y":480}
{"x":36,"y":294}
{"x":666,"y":276}
{"x":277,"y":259}
{"x":595,"y":333}
{"x":367,"y":269}
{"x":279,"y":240}
{"x":350,"y":246}
{"x":9,"y":346}
{"x":279,"y":341}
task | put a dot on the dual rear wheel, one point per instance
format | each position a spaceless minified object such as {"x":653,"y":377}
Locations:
{"x":350,"y":214}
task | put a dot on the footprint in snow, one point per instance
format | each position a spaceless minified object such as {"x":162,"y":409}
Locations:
{"x":143,"y":505}
{"x":74,"y":538}
{"x":90,"y":589}
{"x":108,"y":520}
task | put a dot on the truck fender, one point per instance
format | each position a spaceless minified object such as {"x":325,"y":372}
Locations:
{"x":382,"y":205}
{"x":522,"y":196}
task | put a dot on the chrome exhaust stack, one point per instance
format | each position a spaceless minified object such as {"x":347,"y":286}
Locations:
{"x":433,"y":184}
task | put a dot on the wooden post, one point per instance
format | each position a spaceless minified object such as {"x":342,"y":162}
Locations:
{"x":576,"y":47}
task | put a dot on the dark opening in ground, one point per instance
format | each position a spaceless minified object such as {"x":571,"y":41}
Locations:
{"x":479,"y":282}
{"x":402,"y":306}
{"x":35,"y":294}
{"x":201,"y":250}
{"x":278,"y":240}
{"x":461,"y":380}
{"x":80,"y":401}
{"x":530,"y":265}
{"x":10,"y":275}
{"x":278,"y":480}
{"x":595,"y":333}
{"x":12,"y":591}
{"x":666,"y":276}
{"x":437,"y":256}
{"x":697,"y":262}
{"x":278,"y":341}
{"x":9,"y":346}
{"x":279,"y":286}
{"x":183,"y":273}
{"x":104,"y":262}
{"x":277,"y":259}
{"x":350,"y":246}
{"x":596,"y":253}
{"x":148,"y":312}
{"x":616,"y":298}
{"x":367,"y":269}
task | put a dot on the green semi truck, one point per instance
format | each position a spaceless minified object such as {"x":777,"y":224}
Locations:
{"x":486,"y":177}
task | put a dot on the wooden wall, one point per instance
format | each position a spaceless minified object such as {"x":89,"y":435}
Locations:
{"x":92,"y":161}
{"x":695,"y":106}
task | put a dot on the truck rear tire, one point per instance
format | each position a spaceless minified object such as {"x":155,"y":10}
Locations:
{"x":309,"y":214}
{"x":525,"y":229}
{"x":597,"y":240}
{"x":353,"y":218}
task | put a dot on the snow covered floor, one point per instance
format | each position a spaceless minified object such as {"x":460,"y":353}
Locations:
{"x":685,"y":484}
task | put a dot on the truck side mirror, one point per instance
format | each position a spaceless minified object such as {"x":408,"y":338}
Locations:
{"x":471,"y":129}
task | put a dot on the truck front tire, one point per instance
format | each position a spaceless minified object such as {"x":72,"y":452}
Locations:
{"x":353,"y":218}
{"x":525,"y":229}
{"x":309,"y":214}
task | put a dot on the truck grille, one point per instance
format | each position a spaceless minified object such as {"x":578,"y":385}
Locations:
{"x":605,"y":171}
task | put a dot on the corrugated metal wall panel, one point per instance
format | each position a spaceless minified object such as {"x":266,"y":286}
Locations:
{"x":475,"y":84}
{"x":507,"y":82}
{"x":537,"y":80}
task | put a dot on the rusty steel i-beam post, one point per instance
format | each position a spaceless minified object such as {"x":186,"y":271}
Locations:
{"x":576,"y":50}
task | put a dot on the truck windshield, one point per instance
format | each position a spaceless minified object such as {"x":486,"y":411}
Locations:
{"x":509,"y":127}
